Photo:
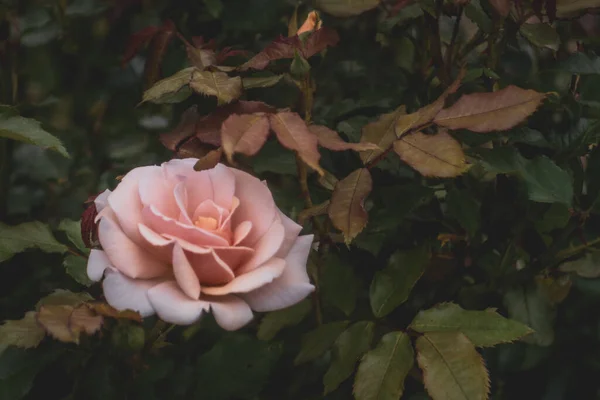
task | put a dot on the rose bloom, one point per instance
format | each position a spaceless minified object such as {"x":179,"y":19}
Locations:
{"x":179,"y":242}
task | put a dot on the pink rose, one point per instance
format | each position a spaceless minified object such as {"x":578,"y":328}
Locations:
{"x":178,"y":242}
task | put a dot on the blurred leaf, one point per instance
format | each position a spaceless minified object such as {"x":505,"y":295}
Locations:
{"x":137,"y":41}
{"x":346,"y":209}
{"x":274,"y":158}
{"x":495,"y":111}
{"x":528,"y":305}
{"x":73,"y":231}
{"x":570,"y":7}
{"x":382,"y":371}
{"x":465,"y":209}
{"x":24,"y":333}
{"x":339,"y":284}
{"x":502,"y":7}
{"x":347,"y":351}
{"x":293,"y":134}
{"x":587,"y":267}
{"x":261,"y":82}
{"x":278,"y":49}
{"x":275,"y":321}
{"x":541,"y":35}
{"x":62,"y":297}
{"x":380,"y":133}
{"x":164,"y":89}
{"x":214,"y":7}
{"x":581,"y":63}
{"x":76,"y":267}
{"x":452,"y":367}
{"x":244,"y":134}
{"x":483,"y":328}
{"x":29,"y":131}
{"x":218,"y":84}
{"x":316,"y":342}
{"x":66,"y":323}
{"x":556,"y":217}
{"x":106,"y":310}
{"x":16,"y":239}
{"x":547,"y":182}
{"x":314,"y":211}
{"x":346,"y":8}
{"x":392,"y":286}
{"x":331,"y":140}
{"x":438,"y":155}
{"x":209,"y":161}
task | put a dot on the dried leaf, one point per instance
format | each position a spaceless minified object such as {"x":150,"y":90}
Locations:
{"x":55,"y":320}
{"x":219,"y":84}
{"x":107,"y":310}
{"x":381,"y":133}
{"x":346,"y":8}
{"x":329,"y":139}
{"x":280,"y":48}
{"x":318,"y":41}
{"x":486,"y":112}
{"x":199,"y":57}
{"x":292,"y":133}
{"x":83,"y":319}
{"x":169,"y":85}
{"x":244,"y":134}
{"x":438,"y":155}
{"x":209,"y":161}
{"x":314,"y":211}
{"x":347,"y":211}
{"x":452,"y":367}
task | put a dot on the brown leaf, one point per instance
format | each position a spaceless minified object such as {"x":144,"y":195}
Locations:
{"x":502,"y":7}
{"x":185,"y":129}
{"x":193,"y":148}
{"x":157,"y":49}
{"x":293,"y":134}
{"x":55,"y":320}
{"x":486,"y":112}
{"x":219,"y":84}
{"x":425,"y":115}
{"x":83,"y":319}
{"x":280,"y":48}
{"x":347,"y":211}
{"x":438,"y":155}
{"x":331,"y":140}
{"x":381,"y":133}
{"x":244,"y":134}
{"x":209,"y":161}
{"x":107,"y":310}
{"x":199,"y":57}
{"x":314,"y":211}
{"x":319,"y":40}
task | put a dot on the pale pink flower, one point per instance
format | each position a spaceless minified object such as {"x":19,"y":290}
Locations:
{"x":179,"y":242}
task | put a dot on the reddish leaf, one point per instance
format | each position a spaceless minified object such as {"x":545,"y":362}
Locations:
{"x":244,"y":134}
{"x":292,"y":133}
{"x":185,"y":129}
{"x":331,"y":140}
{"x":502,"y":7}
{"x":280,"y":48}
{"x":158,"y":48}
{"x":193,"y":148}
{"x":209,"y":161}
{"x":89,"y":229}
{"x":319,"y":40}
{"x":227,"y":52}
{"x":137,"y":41}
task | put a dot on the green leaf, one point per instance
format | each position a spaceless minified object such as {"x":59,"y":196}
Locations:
{"x":382,"y":371}
{"x":463,"y":207}
{"x":73,"y":231}
{"x":391,"y":286}
{"x":316,"y":342}
{"x":339,"y":284}
{"x":501,"y":160}
{"x":541,"y":35}
{"x":64,"y":297}
{"x":29,"y":131}
{"x":587,"y":267}
{"x":25,"y":333}
{"x":237,"y":367}
{"x":76,"y":267}
{"x":581,"y":63}
{"x":18,"y":369}
{"x":16,"y":239}
{"x":556,"y":217}
{"x":475,"y":13}
{"x":529,"y":305}
{"x":218,"y":84}
{"x":261,"y":82}
{"x":347,"y":350}
{"x":547,"y":182}
{"x":483,"y":328}
{"x":275,"y":321}
{"x":164,"y":89}
{"x":214,"y":7}
{"x":452,"y":367}
{"x":346,"y":8}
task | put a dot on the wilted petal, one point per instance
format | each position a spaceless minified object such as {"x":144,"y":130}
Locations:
{"x":124,"y":293}
{"x":251,"y":280}
{"x":265,"y":248}
{"x":97,"y":263}
{"x":230,"y":312}
{"x":125,"y":255}
{"x":173,"y":306}
{"x":184,"y":273}
{"x":291,"y":287}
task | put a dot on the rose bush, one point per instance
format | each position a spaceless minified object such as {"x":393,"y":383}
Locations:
{"x":179,"y":242}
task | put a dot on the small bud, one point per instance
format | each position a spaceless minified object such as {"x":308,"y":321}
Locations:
{"x":89,"y":229}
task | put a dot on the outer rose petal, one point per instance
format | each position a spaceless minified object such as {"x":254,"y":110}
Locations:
{"x":157,"y":191}
{"x":256,"y":206}
{"x":250,"y":281}
{"x":125,"y":255}
{"x":124,"y":293}
{"x":101,"y":200}
{"x":291,"y":287}
{"x":292,"y":230}
{"x":97,"y":263}
{"x":184,"y":273}
{"x":173,"y":306}
{"x":230,"y":312}
{"x":265,"y":248}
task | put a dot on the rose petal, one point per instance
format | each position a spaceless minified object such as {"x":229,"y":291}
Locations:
{"x":250,"y":281}
{"x":101,"y":200}
{"x":184,"y":273}
{"x":124,"y":293}
{"x":173,"y":306}
{"x":210,"y":268}
{"x":190,"y":233}
{"x":230,"y":312}
{"x":256,"y":206}
{"x":158,"y":191}
{"x":266,"y":248}
{"x":291,"y":287}
{"x":241,"y":231}
{"x":153,"y":238}
{"x":125,"y":255}
{"x":97,"y":263}
{"x":187,"y":246}
{"x":223,"y":183}
{"x":181,"y":200}
{"x":209,"y":209}
{"x":197,"y":183}
{"x":234,"y":256}
{"x":292,"y":230}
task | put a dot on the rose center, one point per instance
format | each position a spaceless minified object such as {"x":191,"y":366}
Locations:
{"x":207,"y":223}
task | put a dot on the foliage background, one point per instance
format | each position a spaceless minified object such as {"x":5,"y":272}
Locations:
{"x":508,"y":226}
